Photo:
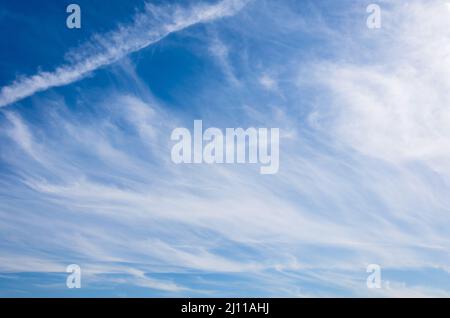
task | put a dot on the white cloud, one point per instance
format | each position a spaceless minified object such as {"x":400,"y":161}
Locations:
{"x":114,"y":46}
{"x":393,"y":104}
{"x":222,"y":54}
{"x":326,"y":214}
{"x":268,"y":82}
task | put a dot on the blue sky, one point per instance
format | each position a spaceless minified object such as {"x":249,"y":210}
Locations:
{"x":85,"y":170}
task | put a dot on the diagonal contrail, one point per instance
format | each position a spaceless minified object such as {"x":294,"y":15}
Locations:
{"x":149,"y":27}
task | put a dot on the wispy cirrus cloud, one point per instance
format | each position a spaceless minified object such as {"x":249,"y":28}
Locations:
{"x":149,"y":27}
{"x":390,"y":101}
{"x":101,"y":191}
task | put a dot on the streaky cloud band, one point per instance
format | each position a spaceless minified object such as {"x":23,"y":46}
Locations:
{"x":117,"y":44}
